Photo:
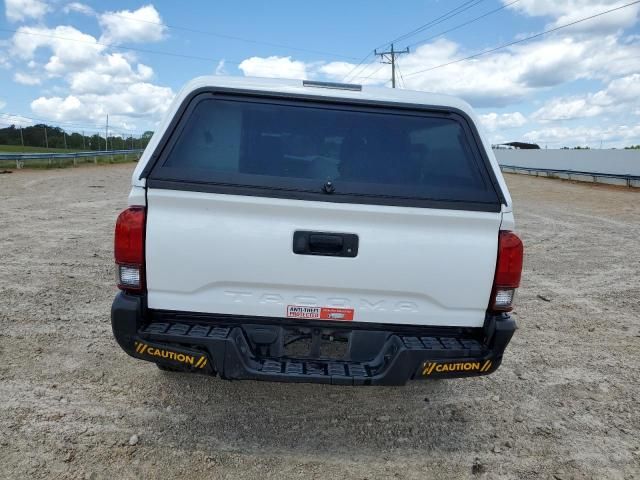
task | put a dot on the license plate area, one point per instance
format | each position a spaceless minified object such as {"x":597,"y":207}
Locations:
{"x":315,"y":343}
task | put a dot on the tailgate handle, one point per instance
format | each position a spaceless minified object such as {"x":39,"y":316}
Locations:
{"x":325,"y":243}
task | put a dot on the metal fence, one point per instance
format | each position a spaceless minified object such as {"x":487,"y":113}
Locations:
{"x":614,"y":167}
{"x":606,"y":161}
{"x":595,"y":177}
{"x":20,"y":158}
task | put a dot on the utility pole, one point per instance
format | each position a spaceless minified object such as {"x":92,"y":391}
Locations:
{"x":106,"y":134}
{"x":390,"y":57}
{"x":64,"y":134}
{"x":21,"y":137}
{"x":83,"y":143}
{"x":46,"y":140}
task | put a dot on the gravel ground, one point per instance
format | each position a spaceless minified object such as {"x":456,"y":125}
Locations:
{"x":564,"y":404}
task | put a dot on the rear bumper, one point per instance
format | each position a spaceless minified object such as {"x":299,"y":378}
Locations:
{"x":258,"y":349}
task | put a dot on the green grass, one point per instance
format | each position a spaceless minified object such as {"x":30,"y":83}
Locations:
{"x":21,"y":149}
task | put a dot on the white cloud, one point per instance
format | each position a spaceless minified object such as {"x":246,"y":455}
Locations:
{"x":566,"y":109}
{"x":566,"y":11}
{"x":274,"y":67}
{"x":489,"y":81}
{"x":495,"y":121}
{"x":2,"y":103}
{"x":136,"y":101}
{"x":623,"y":89}
{"x":612,"y":135}
{"x":111,"y":73}
{"x":97,"y":82}
{"x":4,"y":61}
{"x":71,"y":48}
{"x":493,"y":80}
{"x":337,"y":69}
{"x":620,"y":96}
{"x":79,"y":8}
{"x":504,"y":77}
{"x":26,"y":79}
{"x":7,"y":120}
{"x":141,"y":25}
{"x":20,"y":10}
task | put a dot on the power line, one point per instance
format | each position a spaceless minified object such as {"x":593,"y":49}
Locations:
{"x":119,"y":47}
{"x":367,"y":66}
{"x":134,"y":49}
{"x":445,"y":16}
{"x":436,"y":21}
{"x":9,"y":117}
{"x":479,"y":54}
{"x":372,"y":73}
{"x":404,"y":85}
{"x":62,"y":125}
{"x":232,"y":37}
{"x":23,"y":118}
{"x":356,"y":67}
{"x":401,"y":82}
{"x":473,"y":20}
{"x":172,"y":54}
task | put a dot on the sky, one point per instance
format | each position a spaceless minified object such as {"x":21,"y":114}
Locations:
{"x":71,"y":63}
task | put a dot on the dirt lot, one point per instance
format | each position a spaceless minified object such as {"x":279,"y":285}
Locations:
{"x":565,"y":404}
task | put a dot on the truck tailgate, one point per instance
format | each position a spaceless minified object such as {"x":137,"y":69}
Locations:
{"x":234,"y":254}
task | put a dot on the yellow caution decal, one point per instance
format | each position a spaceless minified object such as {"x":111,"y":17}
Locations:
{"x":197,"y":361}
{"x":429,"y":368}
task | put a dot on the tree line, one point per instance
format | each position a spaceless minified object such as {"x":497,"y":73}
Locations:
{"x":42,"y":135}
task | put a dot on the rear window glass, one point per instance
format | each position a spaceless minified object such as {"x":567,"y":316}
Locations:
{"x":303,"y":146}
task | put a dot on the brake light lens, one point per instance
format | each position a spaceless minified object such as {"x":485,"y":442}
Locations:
{"x":129,"y":249}
{"x":508,"y":271}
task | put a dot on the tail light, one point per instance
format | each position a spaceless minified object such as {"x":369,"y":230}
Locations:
{"x":508,"y":272}
{"x":129,"y":249}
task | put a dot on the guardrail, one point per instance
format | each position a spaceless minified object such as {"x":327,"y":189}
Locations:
{"x":595,"y":177}
{"x":20,"y":158}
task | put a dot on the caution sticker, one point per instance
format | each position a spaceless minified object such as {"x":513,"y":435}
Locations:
{"x":429,"y":368}
{"x":146,"y":350}
{"x":319,"y":313}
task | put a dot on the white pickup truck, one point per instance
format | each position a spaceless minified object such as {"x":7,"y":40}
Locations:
{"x":317,"y":232}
